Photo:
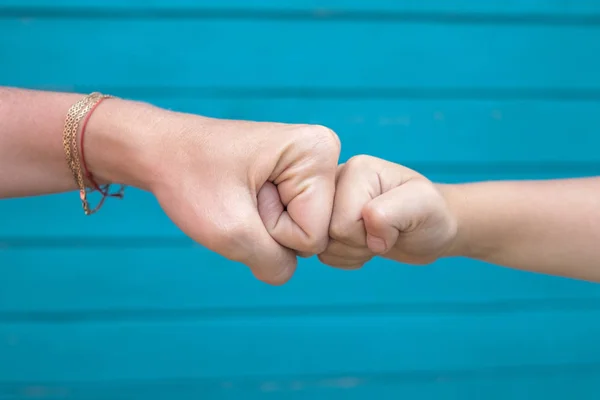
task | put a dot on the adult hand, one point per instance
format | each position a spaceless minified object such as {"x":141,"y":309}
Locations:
{"x":213,"y":176}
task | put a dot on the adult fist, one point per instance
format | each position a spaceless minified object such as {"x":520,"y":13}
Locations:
{"x":382,"y":208}
{"x":207,"y":173}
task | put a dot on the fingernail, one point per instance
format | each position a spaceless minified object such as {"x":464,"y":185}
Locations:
{"x":375,"y":244}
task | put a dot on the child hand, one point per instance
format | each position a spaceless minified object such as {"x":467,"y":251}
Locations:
{"x":383,"y":208}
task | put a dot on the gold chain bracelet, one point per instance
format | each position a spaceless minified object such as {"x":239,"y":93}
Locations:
{"x":75,"y":115}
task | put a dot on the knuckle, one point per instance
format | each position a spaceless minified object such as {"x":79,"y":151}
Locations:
{"x":340,"y":262}
{"x":359,"y":162}
{"x":347,"y":231}
{"x":316,"y":244}
{"x":339,"y":231}
{"x":329,"y":259}
{"x":375,"y":215}
{"x":325,"y":258}
{"x":324,"y":138}
{"x":278,"y":278}
{"x":347,"y":251}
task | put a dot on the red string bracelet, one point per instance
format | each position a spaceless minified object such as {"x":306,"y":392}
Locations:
{"x":103,"y":189}
{"x":87,"y":173}
{"x":82,"y":110}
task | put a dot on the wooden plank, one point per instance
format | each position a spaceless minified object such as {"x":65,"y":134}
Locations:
{"x":300,"y":55}
{"x":127,"y":283}
{"x":446,"y":140}
{"x":284,"y":347}
{"x":322,"y":8}
{"x":525,"y":383}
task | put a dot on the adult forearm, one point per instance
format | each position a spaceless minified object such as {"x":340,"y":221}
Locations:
{"x":550,"y":226}
{"x":32,"y":157}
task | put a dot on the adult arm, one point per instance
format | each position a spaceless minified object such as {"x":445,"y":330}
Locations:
{"x":210,"y":176}
{"x":32,"y":158}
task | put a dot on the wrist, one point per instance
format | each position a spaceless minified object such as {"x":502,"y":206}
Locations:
{"x":458,"y":205}
{"x":121,"y":141}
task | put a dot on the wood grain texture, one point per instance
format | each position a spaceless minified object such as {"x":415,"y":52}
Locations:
{"x":290,"y":346}
{"x":222,"y":53}
{"x":124,"y":281}
{"x":522,"y":383}
{"x":323,"y":8}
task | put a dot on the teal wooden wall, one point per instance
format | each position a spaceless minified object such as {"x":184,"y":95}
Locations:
{"x":122,"y":306}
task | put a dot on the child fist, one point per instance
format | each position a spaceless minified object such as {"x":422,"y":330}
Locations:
{"x":383,"y":208}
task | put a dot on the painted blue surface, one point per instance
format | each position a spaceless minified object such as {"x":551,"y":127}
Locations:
{"x":461,"y":90}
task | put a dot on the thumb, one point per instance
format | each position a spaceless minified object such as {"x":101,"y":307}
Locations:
{"x":387,"y":215}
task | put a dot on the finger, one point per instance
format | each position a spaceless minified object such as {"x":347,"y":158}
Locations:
{"x":270,"y":209}
{"x":399,"y":255}
{"x":338,"y":172}
{"x":393,"y":212}
{"x":343,"y":250}
{"x":341,"y":255}
{"x":252,"y":244}
{"x":357,"y":184}
{"x":305,"y":231}
{"x":306,"y":189}
{"x":342,"y":262}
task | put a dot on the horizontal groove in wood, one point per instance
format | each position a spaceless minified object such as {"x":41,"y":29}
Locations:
{"x":307,"y":381}
{"x":323,"y":346}
{"x":579,"y":381}
{"x":416,"y":309}
{"x":317,"y":8}
{"x":460,"y":94}
{"x":192,"y":281}
{"x":338,"y":54}
{"x":470,"y":18}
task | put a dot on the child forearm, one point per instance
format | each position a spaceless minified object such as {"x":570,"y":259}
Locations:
{"x":550,"y":226}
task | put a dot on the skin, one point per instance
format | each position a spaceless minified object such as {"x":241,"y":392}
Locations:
{"x":263,"y":193}
{"x":210,"y":176}
{"x":385,"y":209}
